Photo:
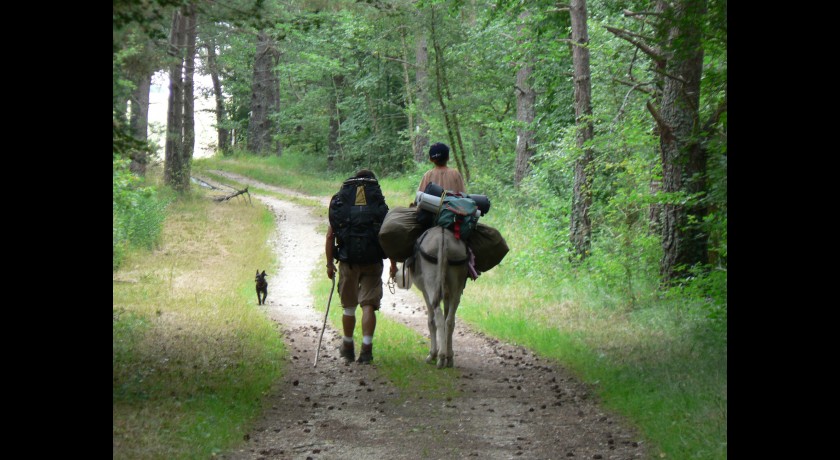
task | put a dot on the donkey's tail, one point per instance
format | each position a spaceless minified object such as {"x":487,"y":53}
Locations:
{"x":443,"y":265}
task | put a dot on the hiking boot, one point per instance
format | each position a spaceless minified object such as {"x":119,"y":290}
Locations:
{"x":346,"y":352}
{"x":366,"y":354}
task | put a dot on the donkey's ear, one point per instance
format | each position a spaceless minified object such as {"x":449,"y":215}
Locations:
{"x":263,"y":273}
{"x":258,"y":272}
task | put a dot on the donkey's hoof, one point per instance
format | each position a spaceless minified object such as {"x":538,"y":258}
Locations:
{"x":441,"y":363}
{"x":431,"y":359}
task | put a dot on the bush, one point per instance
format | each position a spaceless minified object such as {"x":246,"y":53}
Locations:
{"x":138,"y":213}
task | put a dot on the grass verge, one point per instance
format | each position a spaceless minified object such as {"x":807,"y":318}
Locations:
{"x":193,"y":355}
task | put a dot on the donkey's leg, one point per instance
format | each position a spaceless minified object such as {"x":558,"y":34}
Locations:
{"x":440,"y":324}
{"x":433,"y":350}
{"x":455,"y":279}
{"x":447,"y":353}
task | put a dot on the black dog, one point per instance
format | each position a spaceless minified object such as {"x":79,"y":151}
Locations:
{"x":262,"y":287}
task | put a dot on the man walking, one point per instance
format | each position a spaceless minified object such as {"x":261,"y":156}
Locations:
{"x":356,"y":214}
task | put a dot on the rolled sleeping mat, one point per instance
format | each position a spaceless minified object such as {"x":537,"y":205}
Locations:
{"x":427,"y":201}
{"x":431,"y":203}
{"x":433,"y":189}
{"x":482,"y":202}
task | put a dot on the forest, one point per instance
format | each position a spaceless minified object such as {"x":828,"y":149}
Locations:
{"x":600,"y":126}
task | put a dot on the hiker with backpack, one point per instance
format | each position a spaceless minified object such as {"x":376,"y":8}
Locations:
{"x":356,"y":213}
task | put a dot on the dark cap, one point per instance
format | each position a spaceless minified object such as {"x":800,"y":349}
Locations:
{"x":439,"y":151}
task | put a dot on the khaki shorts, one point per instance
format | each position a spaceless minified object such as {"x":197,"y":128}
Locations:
{"x":360,"y":284}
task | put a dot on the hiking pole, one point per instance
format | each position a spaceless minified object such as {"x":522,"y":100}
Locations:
{"x":318,"y":352}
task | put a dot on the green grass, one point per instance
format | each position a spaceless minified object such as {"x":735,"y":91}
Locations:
{"x":193,"y":355}
{"x":288,"y":171}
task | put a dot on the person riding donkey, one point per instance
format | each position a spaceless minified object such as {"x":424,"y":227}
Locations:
{"x":356,"y":213}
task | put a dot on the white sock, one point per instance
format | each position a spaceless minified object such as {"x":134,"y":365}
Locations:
{"x":348,"y":339}
{"x":367,"y":339}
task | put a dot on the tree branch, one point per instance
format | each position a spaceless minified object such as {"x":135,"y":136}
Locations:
{"x":632,"y":34}
{"x":668,"y":75}
{"x":664,"y":128}
{"x":643,"y":47}
{"x":394,"y":59}
{"x":637,"y":86}
{"x":237,"y":193}
{"x":629,"y":13}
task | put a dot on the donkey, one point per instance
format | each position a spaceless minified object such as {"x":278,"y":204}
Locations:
{"x":439,"y":270}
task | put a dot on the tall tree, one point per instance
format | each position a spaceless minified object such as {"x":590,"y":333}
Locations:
{"x":173,"y":171}
{"x":421,"y":79}
{"x":453,"y":129}
{"x":140,"y":68}
{"x":526,"y":98}
{"x":180,"y":117}
{"x":580,"y":224}
{"x":265,"y":98}
{"x":139,"y":122}
{"x":189,"y":91}
{"x":221,"y":121}
{"x":678,"y":54}
{"x":409,"y":96}
{"x":683,"y":156}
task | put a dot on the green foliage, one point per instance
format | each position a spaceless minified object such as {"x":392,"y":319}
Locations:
{"x":138,"y":213}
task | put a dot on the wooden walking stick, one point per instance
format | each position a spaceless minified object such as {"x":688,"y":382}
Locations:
{"x":318,"y":352}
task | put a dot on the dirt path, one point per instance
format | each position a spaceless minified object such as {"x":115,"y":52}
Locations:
{"x":512,"y":404}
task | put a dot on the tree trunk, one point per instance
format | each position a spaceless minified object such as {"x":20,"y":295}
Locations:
{"x":525,"y":100}
{"x":265,"y":99}
{"x":334,"y":137}
{"x":580,"y":225}
{"x":223,"y":133}
{"x":409,"y":99}
{"x":173,"y":166}
{"x":189,"y":94}
{"x":683,"y":159}
{"x":139,"y":123}
{"x":421,"y":78}
{"x":446,"y":117}
{"x":655,"y":209}
{"x":451,"y":120}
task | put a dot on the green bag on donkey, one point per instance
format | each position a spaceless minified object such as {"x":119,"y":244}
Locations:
{"x":398,"y":233}
{"x":488,"y":245}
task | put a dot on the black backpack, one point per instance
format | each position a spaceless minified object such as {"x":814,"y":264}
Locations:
{"x":356,"y":215}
